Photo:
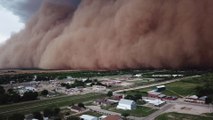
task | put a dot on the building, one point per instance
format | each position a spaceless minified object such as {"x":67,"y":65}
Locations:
{"x":88,"y":117}
{"x":153,"y":94}
{"x":126,"y":104}
{"x":196,"y":99}
{"x":113,"y":117}
{"x":160,"y":88}
{"x":77,"y":109}
{"x":155,"y":102}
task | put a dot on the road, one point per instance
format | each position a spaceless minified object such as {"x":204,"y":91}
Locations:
{"x":155,"y":84}
{"x":159,"y":112}
{"x":29,"y":106}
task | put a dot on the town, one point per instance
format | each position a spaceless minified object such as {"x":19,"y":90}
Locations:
{"x":106,"y":95}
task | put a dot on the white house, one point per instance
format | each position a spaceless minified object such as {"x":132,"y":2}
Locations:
{"x":88,"y":117}
{"x":126,"y":104}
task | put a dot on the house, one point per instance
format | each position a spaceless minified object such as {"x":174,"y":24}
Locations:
{"x":103,"y":102}
{"x":88,"y":117}
{"x":153,"y":94}
{"x":113,"y":117}
{"x":196,"y":99}
{"x":126,"y":104}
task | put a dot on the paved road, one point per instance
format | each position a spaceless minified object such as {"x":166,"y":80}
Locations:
{"x":155,"y":84}
{"x":159,"y":112}
{"x":32,"y":106}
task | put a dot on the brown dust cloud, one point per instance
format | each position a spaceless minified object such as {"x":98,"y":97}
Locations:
{"x":114,"y":34}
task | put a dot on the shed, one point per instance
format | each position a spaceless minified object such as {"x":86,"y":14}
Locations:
{"x":88,"y":117}
{"x":126,"y":104}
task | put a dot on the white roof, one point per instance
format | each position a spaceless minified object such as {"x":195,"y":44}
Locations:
{"x":155,"y":102}
{"x":153,"y":92}
{"x":88,"y":117}
{"x":125,"y":101}
{"x":193,"y":97}
{"x":161,"y":86}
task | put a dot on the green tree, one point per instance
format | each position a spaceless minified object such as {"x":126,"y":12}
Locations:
{"x":2,"y":90}
{"x":11,"y":91}
{"x":81,"y":105}
{"x":16,"y":117}
{"x":57,"y":111}
{"x":30,"y":96}
{"x":44,"y":92}
{"x":73,"y":118}
{"x":47,"y":112}
{"x":37,"y":115}
{"x":109,"y":94}
{"x":125,"y":115}
{"x":138,"y":96}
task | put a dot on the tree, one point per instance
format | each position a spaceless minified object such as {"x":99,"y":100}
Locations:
{"x":57,"y":111}
{"x":81,"y":105}
{"x":37,"y":115}
{"x":138,"y":96}
{"x":11,"y":91}
{"x":125,"y":114}
{"x":15,"y":98}
{"x":4,"y":98}
{"x":130,"y":97}
{"x":2,"y":90}
{"x":16,"y":117}
{"x":44,"y":92}
{"x":73,"y":118}
{"x":109,"y":94}
{"x":47,"y":112}
{"x":30,"y":96}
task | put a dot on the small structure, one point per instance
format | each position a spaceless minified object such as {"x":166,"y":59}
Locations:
{"x":160,"y":88}
{"x":126,"y":104}
{"x":153,"y":94}
{"x":88,"y":117}
{"x":103,"y":102}
{"x":155,"y":102}
{"x":196,"y":99}
{"x":113,"y":117}
{"x":77,"y":109}
{"x":138,"y":75}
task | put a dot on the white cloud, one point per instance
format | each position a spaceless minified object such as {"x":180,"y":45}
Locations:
{"x":9,"y":23}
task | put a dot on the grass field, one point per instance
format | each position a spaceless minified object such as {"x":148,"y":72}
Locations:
{"x":138,"y":112}
{"x":39,"y":105}
{"x":180,"y":88}
{"x":179,"y":116}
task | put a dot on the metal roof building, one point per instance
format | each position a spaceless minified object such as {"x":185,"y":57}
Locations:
{"x":126,"y":104}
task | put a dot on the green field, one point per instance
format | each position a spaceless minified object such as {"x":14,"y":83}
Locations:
{"x":179,"y":116}
{"x":180,"y":88}
{"x":39,"y":105}
{"x":138,"y":112}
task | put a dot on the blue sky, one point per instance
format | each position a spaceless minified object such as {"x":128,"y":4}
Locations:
{"x":14,"y":14}
{"x":9,"y":24}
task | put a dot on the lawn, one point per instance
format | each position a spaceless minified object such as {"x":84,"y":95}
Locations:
{"x":179,"y":116}
{"x":138,"y":112}
{"x":39,"y":105}
{"x":181,"y":88}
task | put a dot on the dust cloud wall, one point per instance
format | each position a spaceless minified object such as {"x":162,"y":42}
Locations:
{"x":114,"y":34}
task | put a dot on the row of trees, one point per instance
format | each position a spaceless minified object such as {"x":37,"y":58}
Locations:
{"x":47,"y":112}
{"x":13,"y":97}
{"x":79,"y":83}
